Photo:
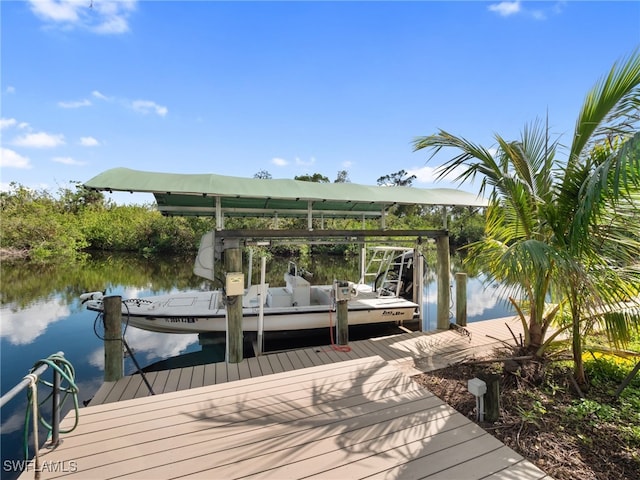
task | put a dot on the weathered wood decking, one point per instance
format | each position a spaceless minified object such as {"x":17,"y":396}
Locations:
{"x":412,"y":351}
{"x":362,"y":417}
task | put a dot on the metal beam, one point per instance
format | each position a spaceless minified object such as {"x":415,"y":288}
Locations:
{"x":266,"y":234}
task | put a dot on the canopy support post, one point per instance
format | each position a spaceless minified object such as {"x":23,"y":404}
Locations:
{"x":443,"y":269}
{"x":233,"y":263}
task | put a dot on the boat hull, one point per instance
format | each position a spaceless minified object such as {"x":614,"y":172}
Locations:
{"x":196,"y":313}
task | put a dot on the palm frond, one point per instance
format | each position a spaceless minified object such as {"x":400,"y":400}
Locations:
{"x":610,"y":108}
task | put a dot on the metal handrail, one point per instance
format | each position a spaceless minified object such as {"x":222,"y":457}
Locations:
{"x":26,"y":381}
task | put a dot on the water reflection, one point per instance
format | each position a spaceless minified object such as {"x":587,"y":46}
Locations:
{"x":21,"y":326}
{"x":149,"y":346}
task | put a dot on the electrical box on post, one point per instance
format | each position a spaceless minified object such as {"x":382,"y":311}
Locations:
{"x":234,"y":284}
{"x":343,"y":291}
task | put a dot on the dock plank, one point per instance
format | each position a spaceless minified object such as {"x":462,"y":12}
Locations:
{"x":274,"y":361}
{"x":160,"y":381}
{"x":172,"y":381}
{"x":184,"y":381}
{"x":221,"y":372}
{"x":254,"y":367}
{"x":197,"y":379}
{"x":102,"y":393}
{"x":365,"y":419}
{"x":209,"y":377}
{"x":118,"y":389}
{"x":233,"y":372}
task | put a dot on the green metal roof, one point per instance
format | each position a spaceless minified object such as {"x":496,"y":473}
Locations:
{"x":208,"y":194}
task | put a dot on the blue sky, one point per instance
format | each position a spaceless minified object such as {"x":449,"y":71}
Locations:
{"x":292,"y":88}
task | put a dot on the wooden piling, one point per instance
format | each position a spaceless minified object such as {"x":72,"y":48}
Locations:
{"x":443,"y":273}
{"x":113,"y":352}
{"x":492,"y":397}
{"x":461,"y":299}
{"x":233,"y":263}
{"x":342,"y":323}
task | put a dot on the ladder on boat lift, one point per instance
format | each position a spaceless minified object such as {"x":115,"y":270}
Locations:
{"x":385,"y":268}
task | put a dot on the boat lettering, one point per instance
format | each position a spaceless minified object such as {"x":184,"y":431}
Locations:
{"x":392,"y":313}
{"x":182,"y":320}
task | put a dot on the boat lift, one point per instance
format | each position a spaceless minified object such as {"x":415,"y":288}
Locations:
{"x":220,"y":196}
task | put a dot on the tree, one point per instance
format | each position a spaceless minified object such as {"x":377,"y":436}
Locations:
{"x":562,"y":228}
{"x":342,"y":177}
{"x":396,"y":179}
{"x":316,"y":177}
{"x":263,"y":174}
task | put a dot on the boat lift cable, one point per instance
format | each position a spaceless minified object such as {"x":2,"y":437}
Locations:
{"x":126,"y":346}
{"x":65,"y":370}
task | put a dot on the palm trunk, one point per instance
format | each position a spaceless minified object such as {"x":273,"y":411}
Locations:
{"x":576,"y":344}
{"x":535,"y":336}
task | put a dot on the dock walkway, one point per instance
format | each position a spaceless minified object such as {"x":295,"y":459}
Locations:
{"x":412,"y":352}
{"x":361,"y":417}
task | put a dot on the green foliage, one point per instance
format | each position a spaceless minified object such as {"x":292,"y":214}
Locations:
{"x":36,"y":222}
{"x":396,"y":179}
{"x":58,"y":228}
{"x":563,"y":229}
{"x":316,"y":177}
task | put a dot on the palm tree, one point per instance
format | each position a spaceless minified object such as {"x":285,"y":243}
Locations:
{"x":564,"y":230}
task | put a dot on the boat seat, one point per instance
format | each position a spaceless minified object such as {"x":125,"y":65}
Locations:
{"x":251,"y":296}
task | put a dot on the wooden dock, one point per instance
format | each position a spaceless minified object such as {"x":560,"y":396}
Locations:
{"x":412,"y":351}
{"x":358,"y":414}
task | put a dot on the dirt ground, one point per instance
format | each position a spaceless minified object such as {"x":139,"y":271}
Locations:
{"x":541,"y":419}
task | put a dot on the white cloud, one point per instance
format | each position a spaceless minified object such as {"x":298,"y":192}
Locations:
{"x":75,"y":104}
{"x":102,"y":17}
{"x":423,"y":174}
{"x":347,"y":164}
{"x":427,"y":174}
{"x":89,"y":142}
{"x":505,"y":9}
{"x":39,"y":140}
{"x":114,"y":16}
{"x":99,"y":95}
{"x":308,"y":163}
{"x":147,"y":106}
{"x":68,"y":161}
{"x":10,"y":90}
{"x":56,"y":10}
{"x":509,"y":8}
{"x":280,"y":162}
{"x":12,"y":159}
{"x":7,"y":122}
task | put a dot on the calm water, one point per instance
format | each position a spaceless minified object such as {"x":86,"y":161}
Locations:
{"x":40,"y":314}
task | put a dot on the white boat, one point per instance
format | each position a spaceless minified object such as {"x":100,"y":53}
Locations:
{"x":297,"y":305}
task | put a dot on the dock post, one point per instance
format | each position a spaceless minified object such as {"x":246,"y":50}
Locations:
{"x":461,"y":299}
{"x":492,"y":397}
{"x":443,"y":273}
{"x":233,"y":263}
{"x":113,"y":352}
{"x":342,"y":309}
{"x":418,"y":286}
